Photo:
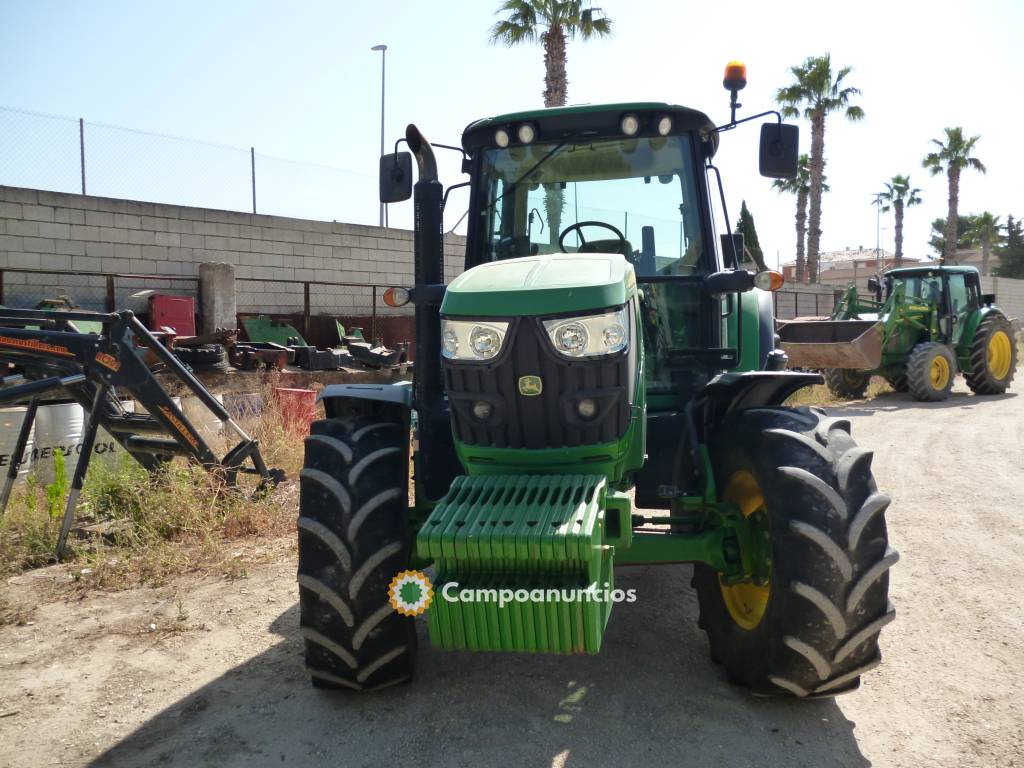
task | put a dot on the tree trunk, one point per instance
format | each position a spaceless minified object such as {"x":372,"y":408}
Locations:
{"x":986,"y":248}
{"x":801,"y":230}
{"x":898,"y":212}
{"x":556,"y":86}
{"x":817,"y":168}
{"x":556,"y":89}
{"x":949,"y":251}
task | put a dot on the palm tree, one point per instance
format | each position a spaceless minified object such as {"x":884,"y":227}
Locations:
{"x":551,"y":23}
{"x":987,"y":231}
{"x":818,"y":93}
{"x":799,"y":185}
{"x":952,"y":157}
{"x":897,"y":196}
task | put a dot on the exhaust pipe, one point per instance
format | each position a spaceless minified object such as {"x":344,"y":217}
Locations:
{"x":424,"y":153}
{"x":438,"y":465}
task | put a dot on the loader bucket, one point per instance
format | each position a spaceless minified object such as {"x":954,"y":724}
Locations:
{"x":832,"y":343}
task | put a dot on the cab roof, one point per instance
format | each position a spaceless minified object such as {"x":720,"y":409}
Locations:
{"x":911,"y":271}
{"x":589,"y":121}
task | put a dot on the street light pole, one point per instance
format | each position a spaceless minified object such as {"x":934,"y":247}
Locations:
{"x":383,"y":53}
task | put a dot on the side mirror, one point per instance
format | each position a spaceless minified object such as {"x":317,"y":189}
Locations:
{"x":732,"y":250}
{"x":395,"y":177}
{"x":729,"y":281}
{"x":873,"y":284}
{"x":780,"y":150}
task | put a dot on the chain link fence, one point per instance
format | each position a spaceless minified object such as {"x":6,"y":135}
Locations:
{"x":791,"y":304}
{"x":64,"y":154}
{"x":95,"y":291}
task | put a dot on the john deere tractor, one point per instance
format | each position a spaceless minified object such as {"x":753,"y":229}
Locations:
{"x":599,"y":388}
{"x":932,"y":322}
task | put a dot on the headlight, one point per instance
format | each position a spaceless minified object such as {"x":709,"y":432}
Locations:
{"x":589,"y":336}
{"x":471,"y":340}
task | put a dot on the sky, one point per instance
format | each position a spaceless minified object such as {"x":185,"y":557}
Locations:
{"x":298,"y":81}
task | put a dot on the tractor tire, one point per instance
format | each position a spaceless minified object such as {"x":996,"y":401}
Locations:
{"x":931,"y":369}
{"x":847,"y":383}
{"x":993,"y":356}
{"x":205,"y":354}
{"x":353,"y":540}
{"x":898,"y":382}
{"x":812,"y":629}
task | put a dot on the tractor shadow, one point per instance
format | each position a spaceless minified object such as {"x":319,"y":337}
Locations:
{"x":901,"y":401}
{"x":650,"y":697}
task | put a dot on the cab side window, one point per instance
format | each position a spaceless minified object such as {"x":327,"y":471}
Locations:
{"x":958,"y":294}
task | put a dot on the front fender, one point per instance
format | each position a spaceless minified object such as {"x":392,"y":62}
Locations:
{"x":750,"y":389}
{"x":336,"y":397}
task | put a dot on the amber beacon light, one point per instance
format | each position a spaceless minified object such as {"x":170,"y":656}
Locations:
{"x":735,"y":76}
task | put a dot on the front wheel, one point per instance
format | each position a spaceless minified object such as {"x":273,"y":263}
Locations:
{"x":353,"y":501}
{"x":811,"y":627}
{"x":931,"y":369}
{"x":847,"y":383}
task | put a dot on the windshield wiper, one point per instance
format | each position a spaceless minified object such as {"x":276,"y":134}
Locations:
{"x":518,"y":181}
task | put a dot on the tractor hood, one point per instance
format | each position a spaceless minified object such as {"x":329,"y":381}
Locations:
{"x":541,"y":285}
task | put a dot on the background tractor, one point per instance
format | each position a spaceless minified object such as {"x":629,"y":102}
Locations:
{"x":932,"y":323}
{"x":585,"y":402}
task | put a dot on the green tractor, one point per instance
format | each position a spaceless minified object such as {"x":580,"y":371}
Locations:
{"x":579,"y":404}
{"x":932,"y":323}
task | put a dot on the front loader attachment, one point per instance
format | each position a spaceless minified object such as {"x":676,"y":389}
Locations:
{"x":855,"y":344}
{"x":96,"y":370}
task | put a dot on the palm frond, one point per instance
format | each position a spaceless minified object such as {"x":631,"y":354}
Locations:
{"x":521,"y":25}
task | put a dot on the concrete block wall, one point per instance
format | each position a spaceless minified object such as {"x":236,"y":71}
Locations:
{"x":1009,"y":294}
{"x":69,"y":234}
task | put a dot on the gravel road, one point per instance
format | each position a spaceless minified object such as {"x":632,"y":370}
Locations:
{"x":209,"y":672}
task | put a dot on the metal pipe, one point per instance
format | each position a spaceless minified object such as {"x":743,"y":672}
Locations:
{"x":39,"y":386}
{"x":19,"y":453}
{"x":81,"y":149}
{"x":88,"y":440}
{"x":383,"y":55}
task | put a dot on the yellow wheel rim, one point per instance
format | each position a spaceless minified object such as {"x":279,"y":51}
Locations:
{"x":1000,"y":354}
{"x":746,"y":603}
{"x":939,"y":372}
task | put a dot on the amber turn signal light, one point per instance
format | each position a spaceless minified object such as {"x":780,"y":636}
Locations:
{"x":769,"y":280}
{"x":396,"y":297}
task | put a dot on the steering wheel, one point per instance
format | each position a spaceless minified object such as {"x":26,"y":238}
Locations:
{"x":580,"y":224}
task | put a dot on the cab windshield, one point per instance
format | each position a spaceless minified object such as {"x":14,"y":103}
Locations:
{"x":634,"y":196}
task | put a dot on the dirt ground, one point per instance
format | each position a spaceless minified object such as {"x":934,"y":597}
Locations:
{"x":209,"y":673}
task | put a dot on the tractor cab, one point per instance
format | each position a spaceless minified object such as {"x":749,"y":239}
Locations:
{"x":634,"y":180}
{"x":954,"y":292}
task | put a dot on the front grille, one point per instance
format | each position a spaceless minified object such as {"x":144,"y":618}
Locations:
{"x":548,"y":420}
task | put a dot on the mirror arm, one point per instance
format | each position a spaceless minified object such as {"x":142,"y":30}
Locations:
{"x":444,"y":200}
{"x":725,"y":213}
{"x":733,"y":123}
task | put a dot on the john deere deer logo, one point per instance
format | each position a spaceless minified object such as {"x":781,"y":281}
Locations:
{"x":530,"y":386}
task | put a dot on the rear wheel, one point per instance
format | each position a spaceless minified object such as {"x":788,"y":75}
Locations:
{"x":993,"y":356}
{"x":811,"y":629}
{"x":931,"y":369}
{"x":847,"y":383}
{"x":352,"y":541}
